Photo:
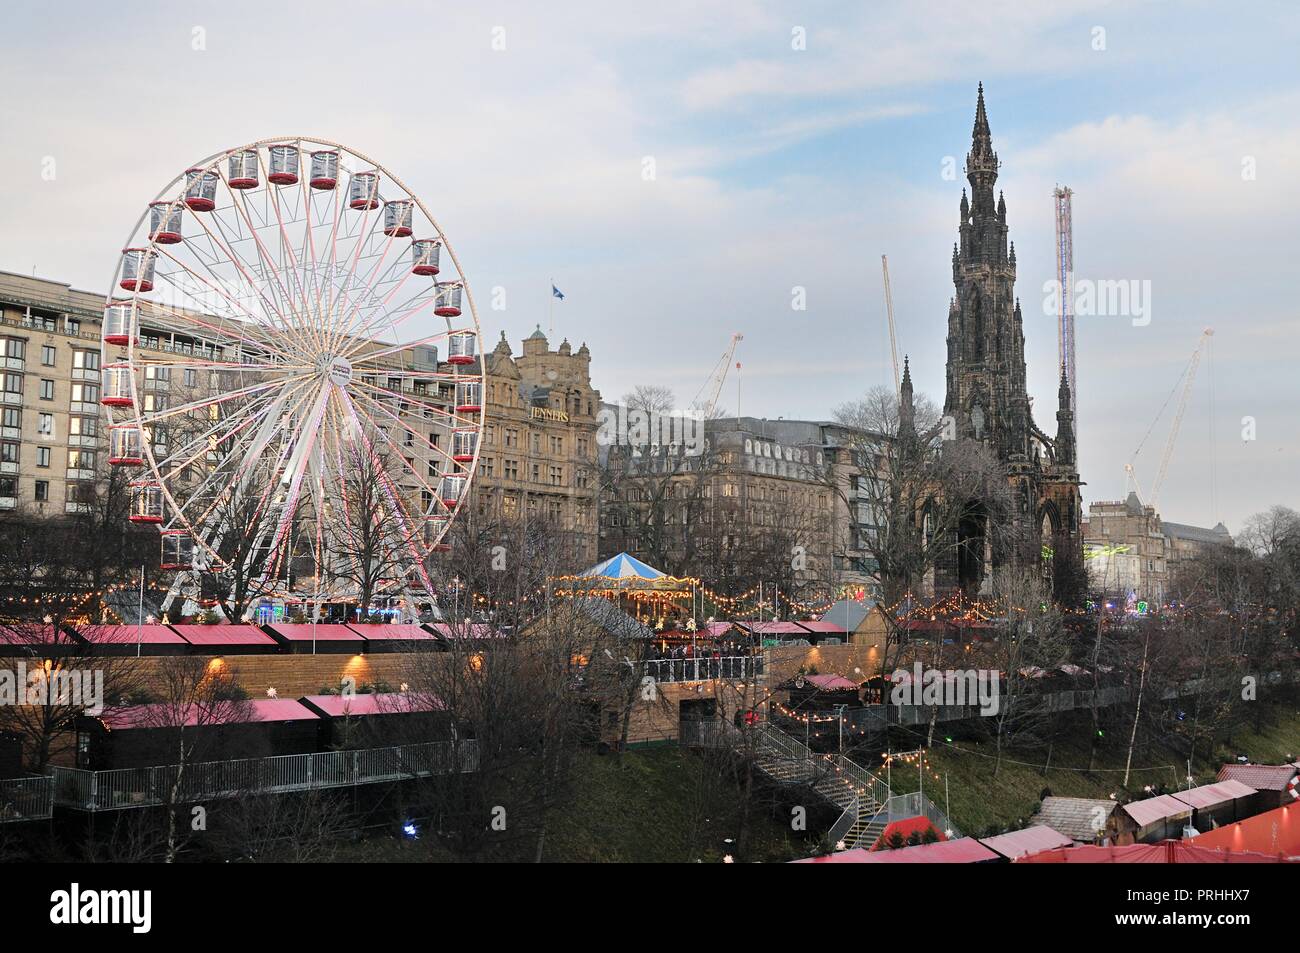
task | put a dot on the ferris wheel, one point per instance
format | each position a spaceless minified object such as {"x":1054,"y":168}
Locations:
{"x":291,"y":366}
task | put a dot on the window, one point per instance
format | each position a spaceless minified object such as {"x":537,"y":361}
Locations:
{"x":537,"y":473}
{"x":9,"y":452}
{"x":42,"y":456}
{"x":42,"y":489}
{"x":512,"y":470}
{"x":557,"y":476}
{"x":83,"y":426}
{"x":85,"y":360}
{"x":47,"y":389}
{"x":13,"y":417}
{"x":557,"y":445}
{"x":81,"y":459}
{"x":512,"y":438}
{"x":154,"y":403}
{"x":13,"y":383}
{"x":537,"y":443}
{"x":8,"y":488}
{"x":73,"y":326}
{"x":45,"y":424}
{"x":191,"y":377}
{"x":13,"y":348}
{"x":49,"y":354}
{"x":85,"y":393}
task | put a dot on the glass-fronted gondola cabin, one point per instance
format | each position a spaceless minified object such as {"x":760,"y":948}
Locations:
{"x":242,"y":169}
{"x":363,"y":191}
{"x":165,"y":222}
{"x":424,"y":256}
{"x":137,"y":269}
{"x":283,"y":164}
{"x":324,"y":169}
{"x":201,"y":189}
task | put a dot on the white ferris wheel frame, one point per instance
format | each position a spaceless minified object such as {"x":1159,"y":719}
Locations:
{"x":307,"y":394}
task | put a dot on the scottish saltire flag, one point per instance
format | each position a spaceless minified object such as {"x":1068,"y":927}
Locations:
{"x":556,"y":292}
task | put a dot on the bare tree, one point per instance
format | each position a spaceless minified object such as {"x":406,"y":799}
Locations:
{"x":374,"y":537}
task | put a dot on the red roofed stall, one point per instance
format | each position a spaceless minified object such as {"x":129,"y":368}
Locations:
{"x":372,"y":720}
{"x":964,"y":850}
{"x":394,"y":637}
{"x":1165,"y":852}
{"x":320,"y":639}
{"x":249,"y":638}
{"x":1031,"y":840}
{"x":139,"y":736}
{"x":1158,"y":818}
{"x":1273,"y":832}
{"x":133,"y":639}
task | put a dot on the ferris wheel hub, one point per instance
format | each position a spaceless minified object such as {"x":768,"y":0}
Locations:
{"x":339,"y":371}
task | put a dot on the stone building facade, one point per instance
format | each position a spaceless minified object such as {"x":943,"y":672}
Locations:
{"x":1132,"y":552}
{"x":765,"y":499}
{"x":539,"y":454}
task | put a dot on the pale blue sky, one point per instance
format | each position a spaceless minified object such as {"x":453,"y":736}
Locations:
{"x":775,"y":167}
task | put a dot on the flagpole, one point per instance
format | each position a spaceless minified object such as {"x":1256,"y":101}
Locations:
{"x":550,"y":308}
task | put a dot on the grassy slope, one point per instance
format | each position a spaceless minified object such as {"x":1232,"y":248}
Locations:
{"x":637,"y":808}
{"x":979,"y":800}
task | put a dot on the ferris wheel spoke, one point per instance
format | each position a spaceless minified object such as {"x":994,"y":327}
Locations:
{"x":394,"y":495}
{"x":398,"y":316}
{"x":360,"y":399}
{"x":267,"y":264}
{"x":150,"y":418}
{"x":254,"y":321}
{"x":350,"y":328}
{"x":357,"y":409}
{"x":450,"y":416}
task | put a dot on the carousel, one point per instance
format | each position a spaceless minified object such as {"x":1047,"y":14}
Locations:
{"x":649,"y":595}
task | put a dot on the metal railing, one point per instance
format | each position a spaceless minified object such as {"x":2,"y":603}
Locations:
{"x":26,"y":799}
{"x":703,"y":669}
{"x":121,"y":788}
{"x":901,"y":806}
{"x":840,"y":829}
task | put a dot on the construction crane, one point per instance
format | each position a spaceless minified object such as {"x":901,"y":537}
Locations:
{"x":889,"y":312}
{"x":707,"y":397}
{"x":1186,"y":379}
{"x":1065,"y":279}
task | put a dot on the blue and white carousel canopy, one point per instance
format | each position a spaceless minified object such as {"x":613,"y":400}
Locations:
{"x":623,"y":566}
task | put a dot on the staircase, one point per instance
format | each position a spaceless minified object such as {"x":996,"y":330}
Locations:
{"x":861,"y":796}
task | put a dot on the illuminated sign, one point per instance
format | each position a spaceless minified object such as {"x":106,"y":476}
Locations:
{"x":546,"y":413}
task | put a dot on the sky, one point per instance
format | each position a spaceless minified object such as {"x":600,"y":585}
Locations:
{"x":683,"y":171}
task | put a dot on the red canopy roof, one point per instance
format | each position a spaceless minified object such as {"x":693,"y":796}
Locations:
{"x":1166,"y":852}
{"x":1275,"y":831}
{"x":1211,"y":795}
{"x":964,"y":850}
{"x":302,"y":632}
{"x":1031,"y":840}
{"x":1261,"y":777}
{"x":833,"y":628}
{"x":773,"y":628}
{"x":384,"y":631}
{"x":383,"y":703}
{"x":129,"y":635}
{"x":223,"y":635}
{"x":831,"y":683}
{"x":1155,"y":809}
{"x":163,"y":715}
{"x":28,"y":633}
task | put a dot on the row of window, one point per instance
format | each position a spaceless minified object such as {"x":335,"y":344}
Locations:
{"x":15,"y":349}
{"x":11,"y":453}
{"x":9,"y":489}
